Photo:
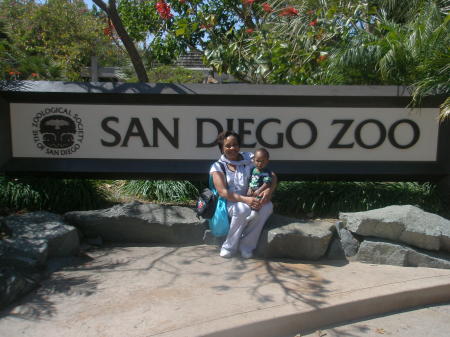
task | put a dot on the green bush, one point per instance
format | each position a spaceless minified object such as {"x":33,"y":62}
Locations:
{"x":161,"y":190}
{"x":293,"y":198}
{"x":173,"y":74}
{"x":329,"y":198}
{"x":55,"y":195}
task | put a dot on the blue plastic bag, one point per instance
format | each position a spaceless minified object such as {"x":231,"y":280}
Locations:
{"x":219,"y":224}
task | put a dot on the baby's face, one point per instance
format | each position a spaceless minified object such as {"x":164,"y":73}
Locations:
{"x":260,"y":160}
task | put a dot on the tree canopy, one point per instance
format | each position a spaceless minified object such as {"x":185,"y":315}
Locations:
{"x":257,"y":41}
{"x":52,"y":40}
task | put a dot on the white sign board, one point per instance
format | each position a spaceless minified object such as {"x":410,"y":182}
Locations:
{"x":188,"y":132}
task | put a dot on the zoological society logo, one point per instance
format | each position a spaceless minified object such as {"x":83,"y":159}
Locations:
{"x":57,"y":131}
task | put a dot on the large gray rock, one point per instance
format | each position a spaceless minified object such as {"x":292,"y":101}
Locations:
{"x":382,"y":252}
{"x":344,"y":245}
{"x":294,"y":238}
{"x":348,"y":242}
{"x":141,"y":222}
{"x":335,"y":250}
{"x":210,"y":239}
{"x":406,"y":224}
{"x":62,"y":239}
{"x":23,"y":251}
{"x":15,"y":283}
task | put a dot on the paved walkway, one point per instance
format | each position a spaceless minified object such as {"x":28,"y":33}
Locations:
{"x":144,"y":291}
{"x":431,"y":321}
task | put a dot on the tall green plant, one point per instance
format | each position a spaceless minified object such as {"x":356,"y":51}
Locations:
{"x":161,"y":190}
{"x":57,"y":195}
{"x":330,"y":198}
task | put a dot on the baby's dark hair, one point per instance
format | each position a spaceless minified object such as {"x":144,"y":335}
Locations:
{"x":264,"y":151}
{"x":225,"y":134}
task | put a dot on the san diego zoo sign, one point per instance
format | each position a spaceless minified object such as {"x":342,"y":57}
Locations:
{"x":188,"y":132}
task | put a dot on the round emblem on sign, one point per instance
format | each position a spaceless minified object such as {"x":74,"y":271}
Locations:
{"x":57,"y":131}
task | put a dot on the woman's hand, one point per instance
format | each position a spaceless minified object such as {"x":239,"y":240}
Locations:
{"x":266,"y":195}
{"x":253,"y":202}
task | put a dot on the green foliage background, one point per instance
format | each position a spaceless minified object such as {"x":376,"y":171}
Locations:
{"x":329,"y":198}
{"x":298,"y":199}
{"x":51,"y":194}
{"x":52,"y":40}
{"x":174,"y":74}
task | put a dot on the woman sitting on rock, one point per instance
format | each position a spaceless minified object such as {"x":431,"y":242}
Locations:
{"x":242,"y":236}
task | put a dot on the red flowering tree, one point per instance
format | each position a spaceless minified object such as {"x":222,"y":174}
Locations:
{"x":164,"y":29}
{"x":168,"y":28}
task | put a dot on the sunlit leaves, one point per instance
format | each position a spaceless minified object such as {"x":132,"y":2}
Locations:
{"x":54,"y":39}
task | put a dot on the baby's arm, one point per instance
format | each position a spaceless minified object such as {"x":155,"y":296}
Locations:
{"x":250,"y":192}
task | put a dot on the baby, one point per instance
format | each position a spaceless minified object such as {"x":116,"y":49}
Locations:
{"x":260,"y":178}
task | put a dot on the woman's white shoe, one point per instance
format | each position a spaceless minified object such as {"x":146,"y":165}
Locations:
{"x":225,"y":253}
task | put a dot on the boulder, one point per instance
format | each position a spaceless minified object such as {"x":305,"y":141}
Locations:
{"x":15,"y":283}
{"x":210,"y":239}
{"x":24,"y":251}
{"x":141,"y":223}
{"x":405,"y":224}
{"x":383,"y":252}
{"x":335,"y":250}
{"x":294,"y":238}
{"x":62,"y":239}
{"x":348,"y":242}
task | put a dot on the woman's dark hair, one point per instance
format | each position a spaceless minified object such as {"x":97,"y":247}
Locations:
{"x":224,"y":135}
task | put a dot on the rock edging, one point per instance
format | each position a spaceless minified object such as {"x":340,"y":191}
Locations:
{"x":140,"y":223}
{"x":399,"y":235}
{"x":32,"y":239}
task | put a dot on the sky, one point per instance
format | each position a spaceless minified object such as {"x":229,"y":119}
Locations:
{"x":89,"y":3}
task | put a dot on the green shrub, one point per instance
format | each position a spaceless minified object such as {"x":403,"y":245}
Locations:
{"x":161,"y":190}
{"x":330,"y":198}
{"x":56,"y":195}
{"x":298,"y":198}
{"x":173,"y":74}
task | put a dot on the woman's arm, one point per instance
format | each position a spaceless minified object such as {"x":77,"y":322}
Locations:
{"x":267,"y":193}
{"x":221,"y":187}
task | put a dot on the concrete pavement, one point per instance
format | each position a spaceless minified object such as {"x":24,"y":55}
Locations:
{"x":432,"y":321}
{"x":143,"y":291}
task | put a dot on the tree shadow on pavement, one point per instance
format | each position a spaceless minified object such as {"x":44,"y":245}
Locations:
{"x":40,"y":303}
{"x":269,"y":282}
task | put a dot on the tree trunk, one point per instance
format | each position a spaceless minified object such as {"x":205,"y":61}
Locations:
{"x":111,"y":11}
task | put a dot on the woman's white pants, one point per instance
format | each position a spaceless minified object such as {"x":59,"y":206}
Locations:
{"x":242,"y":235}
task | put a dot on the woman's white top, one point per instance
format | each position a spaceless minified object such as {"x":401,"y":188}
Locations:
{"x":235,"y":184}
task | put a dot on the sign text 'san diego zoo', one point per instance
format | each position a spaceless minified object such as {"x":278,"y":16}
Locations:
{"x":188,"y":132}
